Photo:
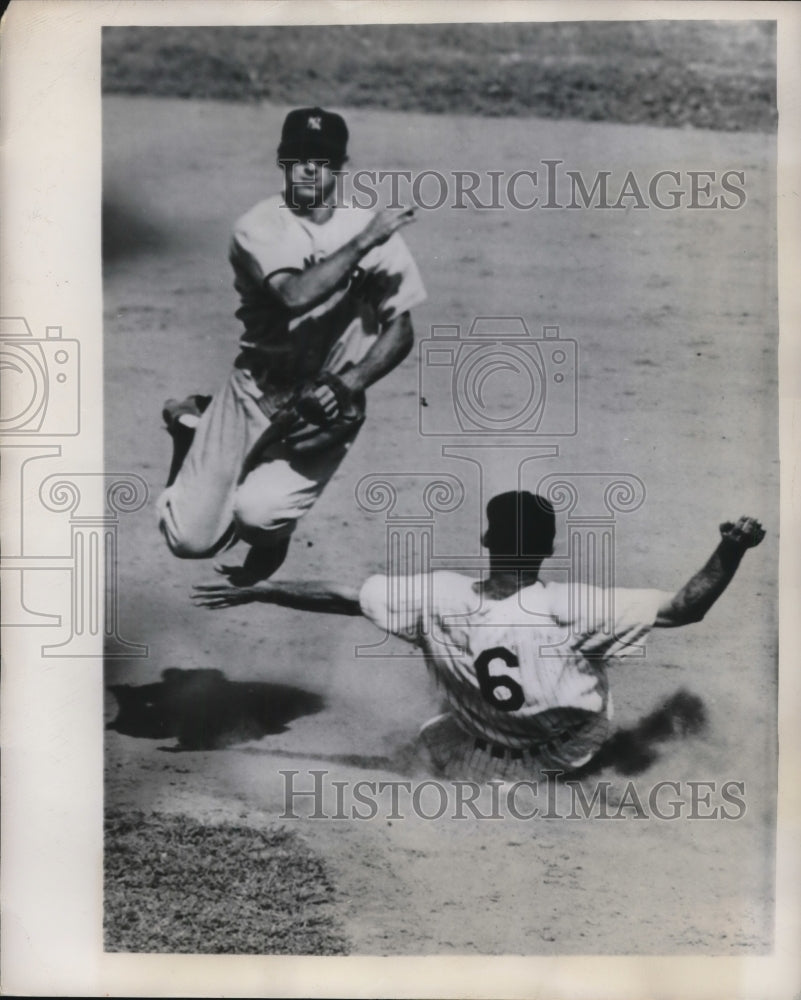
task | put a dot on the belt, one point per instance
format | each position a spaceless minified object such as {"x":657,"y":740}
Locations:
{"x":501,"y":752}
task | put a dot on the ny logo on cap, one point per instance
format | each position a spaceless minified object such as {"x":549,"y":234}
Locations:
{"x":315,"y":122}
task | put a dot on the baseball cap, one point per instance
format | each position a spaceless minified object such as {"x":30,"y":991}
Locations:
{"x":313,"y":133}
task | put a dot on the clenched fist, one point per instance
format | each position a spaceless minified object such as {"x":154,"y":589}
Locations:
{"x":745,"y":533}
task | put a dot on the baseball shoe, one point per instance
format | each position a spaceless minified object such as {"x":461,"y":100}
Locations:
{"x":184,"y":413}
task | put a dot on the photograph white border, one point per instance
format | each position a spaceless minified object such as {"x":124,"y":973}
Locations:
{"x":52,"y":709}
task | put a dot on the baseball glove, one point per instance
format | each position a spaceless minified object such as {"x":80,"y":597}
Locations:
{"x":321,"y":414}
{"x":328,"y":412}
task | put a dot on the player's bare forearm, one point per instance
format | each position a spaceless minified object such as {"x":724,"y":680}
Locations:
{"x":696,"y":597}
{"x":391,"y":347}
{"x":303,"y":595}
{"x":298,"y":293}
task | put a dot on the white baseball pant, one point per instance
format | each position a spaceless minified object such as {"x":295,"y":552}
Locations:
{"x":206,"y":507}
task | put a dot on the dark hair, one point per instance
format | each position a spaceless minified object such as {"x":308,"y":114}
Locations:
{"x":520,"y":524}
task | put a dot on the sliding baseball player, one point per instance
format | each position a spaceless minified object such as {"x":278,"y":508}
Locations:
{"x":522,"y":664}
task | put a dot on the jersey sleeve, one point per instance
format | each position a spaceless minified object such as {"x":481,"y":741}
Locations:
{"x":392,"y":278}
{"x":395,"y":604}
{"x":606,"y":623}
{"x":263,"y":245}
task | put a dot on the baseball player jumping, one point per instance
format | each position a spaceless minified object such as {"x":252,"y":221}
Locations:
{"x":522,"y":664}
{"x":325,"y":291}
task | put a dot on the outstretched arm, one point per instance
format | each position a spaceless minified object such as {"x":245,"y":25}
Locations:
{"x":304,"y":595}
{"x":697,"y":596}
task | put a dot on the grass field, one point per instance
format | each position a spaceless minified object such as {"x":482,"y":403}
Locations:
{"x":698,"y":73}
{"x":177,"y":885}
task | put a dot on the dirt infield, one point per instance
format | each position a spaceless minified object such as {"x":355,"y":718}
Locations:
{"x":674,"y":315}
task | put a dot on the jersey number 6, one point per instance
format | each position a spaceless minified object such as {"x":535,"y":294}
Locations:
{"x":499,"y":689}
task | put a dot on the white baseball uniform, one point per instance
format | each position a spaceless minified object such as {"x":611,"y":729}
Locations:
{"x":206,"y":506}
{"x":524,"y":677}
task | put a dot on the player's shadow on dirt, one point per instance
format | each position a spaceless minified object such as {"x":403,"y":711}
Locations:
{"x":206,"y":711}
{"x":634,"y":750}
{"x":370,"y":762}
